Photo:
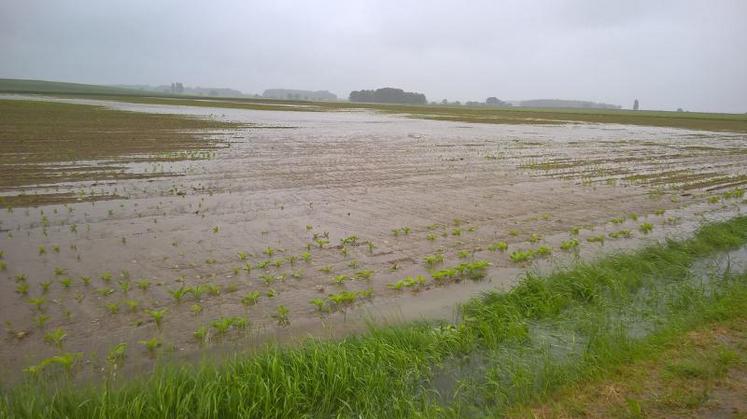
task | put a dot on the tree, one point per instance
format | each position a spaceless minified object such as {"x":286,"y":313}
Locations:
{"x":387,"y":95}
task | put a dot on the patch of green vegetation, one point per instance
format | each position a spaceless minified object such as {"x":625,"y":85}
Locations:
{"x":547,"y":332}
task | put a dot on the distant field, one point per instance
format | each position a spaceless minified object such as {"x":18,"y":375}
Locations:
{"x":48,"y":143}
{"x":688,"y":120}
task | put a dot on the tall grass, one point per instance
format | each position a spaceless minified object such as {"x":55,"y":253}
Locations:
{"x":509,"y":348}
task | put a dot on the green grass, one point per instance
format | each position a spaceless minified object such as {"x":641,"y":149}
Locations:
{"x":509,"y":349}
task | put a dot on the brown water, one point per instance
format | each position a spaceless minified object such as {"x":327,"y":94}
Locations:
{"x":341,"y":173}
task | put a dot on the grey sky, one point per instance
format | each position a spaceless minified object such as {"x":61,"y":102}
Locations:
{"x":669,"y":54}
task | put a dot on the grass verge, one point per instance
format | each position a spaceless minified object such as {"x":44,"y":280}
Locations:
{"x":510,"y":349}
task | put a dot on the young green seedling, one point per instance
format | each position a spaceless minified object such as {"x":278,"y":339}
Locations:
{"x":250,"y":298}
{"x":55,"y":337}
{"x":646,"y":228}
{"x":157,"y":316}
{"x":281,"y":315}
{"x":151,"y":345}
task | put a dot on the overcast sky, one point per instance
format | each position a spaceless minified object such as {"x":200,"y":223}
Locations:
{"x":669,"y":54}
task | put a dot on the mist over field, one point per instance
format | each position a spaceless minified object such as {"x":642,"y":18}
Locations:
{"x":668,"y":54}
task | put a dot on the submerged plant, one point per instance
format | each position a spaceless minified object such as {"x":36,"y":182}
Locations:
{"x":55,"y":337}
{"x":281,"y":315}
{"x":250,"y":298}
{"x":66,"y":360}
{"x":326,"y":269}
{"x":596,"y":239}
{"x":113,"y":308}
{"x":179,"y":293}
{"x":117,"y":355}
{"x":151,"y":345}
{"x":408,"y":282}
{"x":45,"y":286}
{"x":22,"y":288}
{"x":319,"y":304}
{"x":143,"y":284}
{"x":569,"y":244}
{"x":37,"y":302}
{"x":646,"y":228}
{"x":502,"y":246}
{"x":519,"y":256}
{"x":624,"y":234}
{"x":157,"y":316}
{"x":364,"y":274}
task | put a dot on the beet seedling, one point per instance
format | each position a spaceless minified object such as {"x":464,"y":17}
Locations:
{"x":434,"y":259}
{"x":569,"y":245}
{"x":519,"y":256}
{"x":464,"y":254}
{"x":621,"y":234}
{"x":106,"y":277}
{"x":250,"y":298}
{"x":133,"y":305}
{"x":596,"y":239}
{"x":646,"y":228}
{"x":306,"y":256}
{"x":37,"y":302}
{"x":179,"y":293}
{"x":45,"y":286}
{"x":143,"y":284}
{"x":326,"y":269}
{"x":117,"y":355}
{"x":281,"y":315}
{"x":543,"y":251}
{"x":408,"y":282}
{"x":498,"y":246}
{"x":364,"y":274}
{"x":22,"y":288}
{"x":55,"y":337}
{"x":151,"y":345}
{"x":201,"y":334}
{"x":41,"y":320}
{"x":113,"y":308}
{"x":320,"y":304}
{"x":157,"y":316}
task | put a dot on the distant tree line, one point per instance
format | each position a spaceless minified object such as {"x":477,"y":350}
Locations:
{"x":387,"y":95}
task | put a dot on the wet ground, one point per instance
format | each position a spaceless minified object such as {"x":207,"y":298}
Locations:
{"x":297,"y":183}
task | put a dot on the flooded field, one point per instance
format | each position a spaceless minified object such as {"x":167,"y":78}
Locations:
{"x":277,"y":225}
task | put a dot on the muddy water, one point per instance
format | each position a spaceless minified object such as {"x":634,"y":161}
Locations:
{"x":331,"y":174}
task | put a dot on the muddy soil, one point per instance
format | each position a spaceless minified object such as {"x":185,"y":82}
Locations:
{"x":295,"y":180}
